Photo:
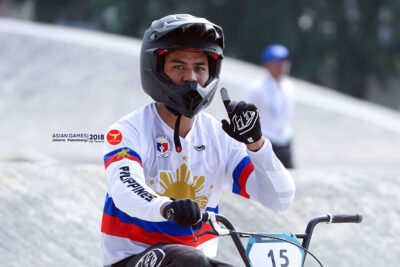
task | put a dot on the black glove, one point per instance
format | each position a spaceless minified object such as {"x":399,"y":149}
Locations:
{"x":184,"y":212}
{"x":244,"y":123}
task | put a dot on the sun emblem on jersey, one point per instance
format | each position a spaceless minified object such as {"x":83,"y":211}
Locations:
{"x":181,"y":186}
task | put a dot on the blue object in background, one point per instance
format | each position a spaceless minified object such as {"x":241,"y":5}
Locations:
{"x":274,"y":52}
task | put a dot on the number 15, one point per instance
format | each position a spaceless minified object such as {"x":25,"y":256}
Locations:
{"x":281,"y":255}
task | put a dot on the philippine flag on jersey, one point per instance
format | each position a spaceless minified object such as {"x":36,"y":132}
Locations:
{"x":163,"y":146}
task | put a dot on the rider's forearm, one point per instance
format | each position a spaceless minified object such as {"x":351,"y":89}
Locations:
{"x":271,"y":184}
{"x":130,"y":193}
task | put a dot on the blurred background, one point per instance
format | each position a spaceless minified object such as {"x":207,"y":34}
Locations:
{"x":348,"y":45}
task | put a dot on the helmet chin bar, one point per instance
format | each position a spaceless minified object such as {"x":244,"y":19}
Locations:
{"x":187,"y":99}
{"x":195,"y":88}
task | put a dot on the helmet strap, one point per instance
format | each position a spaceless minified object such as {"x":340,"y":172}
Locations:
{"x":178,"y":146}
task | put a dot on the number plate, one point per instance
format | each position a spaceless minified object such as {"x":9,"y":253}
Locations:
{"x":268,"y":252}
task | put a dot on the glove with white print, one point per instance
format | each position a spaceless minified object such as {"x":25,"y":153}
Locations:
{"x":184,"y":212}
{"x":244,"y":125}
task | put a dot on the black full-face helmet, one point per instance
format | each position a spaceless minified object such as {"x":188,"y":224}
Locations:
{"x":180,"y":32}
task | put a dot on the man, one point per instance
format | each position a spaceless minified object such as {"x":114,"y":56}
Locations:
{"x":273,"y":96}
{"x":170,"y":156}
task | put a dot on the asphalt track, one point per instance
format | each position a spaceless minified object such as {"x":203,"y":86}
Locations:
{"x":56,"y":80}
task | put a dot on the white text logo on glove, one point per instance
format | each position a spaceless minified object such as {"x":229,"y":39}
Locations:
{"x":245,"y":122}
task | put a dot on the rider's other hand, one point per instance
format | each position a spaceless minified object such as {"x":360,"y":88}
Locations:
{"x":186,"y":212}
{"x":244,"y":125}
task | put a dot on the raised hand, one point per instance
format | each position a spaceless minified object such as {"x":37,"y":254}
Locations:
{"x":244,"y":125}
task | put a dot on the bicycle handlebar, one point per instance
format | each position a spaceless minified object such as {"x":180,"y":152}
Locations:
{"x":345,"y":218}
{"x":329,"y":218}
{"x":213,"y":218}
{"x":205,"y":217}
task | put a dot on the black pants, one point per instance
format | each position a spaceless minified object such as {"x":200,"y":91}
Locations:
{"x":171,"y":255}
{"x":284,"y":154}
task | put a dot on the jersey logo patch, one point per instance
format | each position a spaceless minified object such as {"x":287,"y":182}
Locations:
{"x":153,"y":258}
{"x":114,"y":137}
{"x":163,"y":146}
{"x":200,"y":148}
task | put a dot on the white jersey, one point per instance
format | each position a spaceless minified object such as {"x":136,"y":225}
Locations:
{"x":274,"y":101}
{"x":144,"y":171}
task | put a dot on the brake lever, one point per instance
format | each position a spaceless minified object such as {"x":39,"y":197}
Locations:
{"x":205,"y":233}
{"x":217,"y":229}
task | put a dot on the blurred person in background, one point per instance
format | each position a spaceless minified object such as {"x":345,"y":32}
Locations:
{"x":273,"y":96}
{"x":169,"y":157}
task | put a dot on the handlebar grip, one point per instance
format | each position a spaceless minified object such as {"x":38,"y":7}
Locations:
{"x":346,"y":218}
{"x":170,"y":214}
{"x":205,"y":216}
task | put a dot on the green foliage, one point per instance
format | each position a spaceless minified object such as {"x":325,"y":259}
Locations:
{"x":335,"y":43}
